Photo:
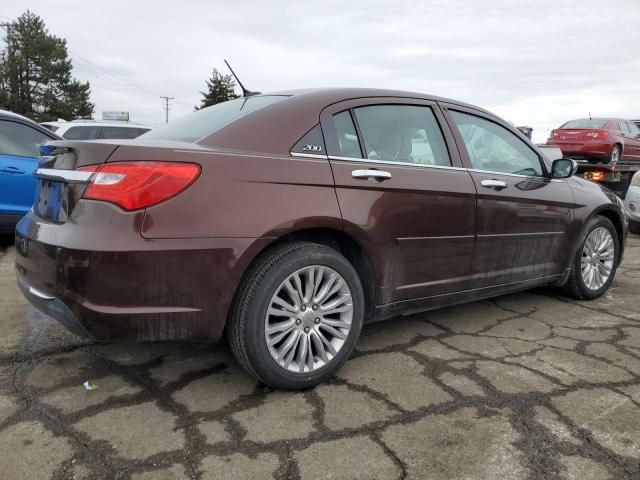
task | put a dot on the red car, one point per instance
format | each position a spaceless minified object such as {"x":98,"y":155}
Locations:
{"x":600,"y":139}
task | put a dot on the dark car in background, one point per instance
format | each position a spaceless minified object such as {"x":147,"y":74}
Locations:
{"x":606,"y":140}
{"x":20,"y":140}
{"x":287,"y":220}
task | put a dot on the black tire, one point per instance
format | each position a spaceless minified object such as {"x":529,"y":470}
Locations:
{"x":575,"y":286}
{"x":634,"y":227}
{"x":615,"y":155}
{"x":246,"y":327}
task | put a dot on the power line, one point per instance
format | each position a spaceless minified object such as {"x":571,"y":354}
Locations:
{"x":166,"y":106}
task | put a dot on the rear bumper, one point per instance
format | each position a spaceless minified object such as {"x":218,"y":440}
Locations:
{"x":53,"y":307}
{"x":584,"y":150}
{"x":108,"y":283}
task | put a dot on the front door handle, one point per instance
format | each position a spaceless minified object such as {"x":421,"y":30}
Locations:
{"x":495,"y":184}
{"x":376,"y":175}
{"x":11,"y":170}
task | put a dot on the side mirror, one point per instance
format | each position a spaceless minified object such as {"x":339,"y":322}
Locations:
{"x":564,"y":168}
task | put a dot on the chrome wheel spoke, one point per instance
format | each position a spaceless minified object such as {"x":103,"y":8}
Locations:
{"x":308,"y":319}
{"x":598,"y":254}
{"x":334,"y":331}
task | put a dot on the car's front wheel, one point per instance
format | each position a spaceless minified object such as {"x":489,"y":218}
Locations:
{"x":595,"y":261}
{"x":297,"y":315}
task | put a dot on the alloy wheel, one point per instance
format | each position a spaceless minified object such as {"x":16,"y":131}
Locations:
{"x":308,"y":319}
{"x":597,"y":258}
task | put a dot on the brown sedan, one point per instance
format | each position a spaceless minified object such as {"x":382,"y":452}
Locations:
{"x":287,"y":220}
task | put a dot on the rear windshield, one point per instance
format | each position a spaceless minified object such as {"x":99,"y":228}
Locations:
{"x":585,"y":123}
{"x":206,"y":121}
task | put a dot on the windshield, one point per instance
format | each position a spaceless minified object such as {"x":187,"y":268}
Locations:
{"x":201,"y":123}
{"x":585,"y":123}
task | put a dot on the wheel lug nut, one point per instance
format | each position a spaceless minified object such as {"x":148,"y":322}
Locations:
{"x":315,"y":307}
{"x":317,"y":321}
{"x":298,"y":321}
{"x":304,"y":307}
{"x":306,"y":329}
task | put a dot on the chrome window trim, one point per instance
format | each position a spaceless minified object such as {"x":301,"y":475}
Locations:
{"x":308,"y":155}
{"x":517,"y":175}
{"x":69,"y":176}
{"x":389,"y":162}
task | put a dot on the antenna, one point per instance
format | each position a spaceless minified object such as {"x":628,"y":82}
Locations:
{"x":589,"y":115}
{"x":245,"y":92}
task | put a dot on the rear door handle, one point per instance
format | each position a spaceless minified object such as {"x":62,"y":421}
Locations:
{"x":377,"y":175}
{"x":495,"y":184}
{"x":11,"y":170}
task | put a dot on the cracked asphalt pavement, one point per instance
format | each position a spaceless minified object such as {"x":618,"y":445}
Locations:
{"x":524,"y":386}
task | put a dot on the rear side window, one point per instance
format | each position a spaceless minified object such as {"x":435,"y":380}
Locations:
{"x":493,"y":148}
{"x":20,"y":140}
{"x":402,"y":133}
{"x":202,"y":123}
{"x":82,"y":133}
{"x":122,"y":132}
{"x":585,"y":123}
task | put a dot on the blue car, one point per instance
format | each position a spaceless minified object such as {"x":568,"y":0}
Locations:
{"x":20,"y":140}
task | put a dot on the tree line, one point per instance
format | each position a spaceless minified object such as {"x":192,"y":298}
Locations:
{"x":36,"y":76}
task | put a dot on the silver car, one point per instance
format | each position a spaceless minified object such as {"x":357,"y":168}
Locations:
{"x":632,"y":204}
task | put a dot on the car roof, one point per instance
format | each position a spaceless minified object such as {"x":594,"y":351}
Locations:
{"x":14,"y":115}
{"x":90,"y":123}
{"x":330,"y":95}
{"x":6,"y":114}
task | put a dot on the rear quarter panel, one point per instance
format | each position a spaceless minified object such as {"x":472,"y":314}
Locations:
{"x":241,"y":195}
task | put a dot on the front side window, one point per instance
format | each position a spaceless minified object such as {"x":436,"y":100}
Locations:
{"x":633,"y":129}
{"x":82,"y":133}
{"x":20,"y":140}
{"x":494,"y":148}
{"x":402,"y":133}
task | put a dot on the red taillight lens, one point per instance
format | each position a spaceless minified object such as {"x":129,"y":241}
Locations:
{"x":136,"y":185}
{"x":597,"y":134}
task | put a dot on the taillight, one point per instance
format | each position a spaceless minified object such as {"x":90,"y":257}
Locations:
{"x":136,"y":185}
{"x":594,"y":176}
{"x":596,"y":134}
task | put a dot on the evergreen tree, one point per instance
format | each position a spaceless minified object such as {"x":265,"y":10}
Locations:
{"x":35,"y":74}
{"x":220,"y":88}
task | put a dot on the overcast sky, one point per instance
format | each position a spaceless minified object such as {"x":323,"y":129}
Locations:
{"x":536,"y":63}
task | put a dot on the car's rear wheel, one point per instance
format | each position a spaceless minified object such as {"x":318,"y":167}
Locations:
{"x":615,"y":154}
{"x":595,"y":262}
{"x":634,"y":227}
{"x":297,"y":315}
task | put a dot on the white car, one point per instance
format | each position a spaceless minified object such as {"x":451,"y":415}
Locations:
{"x":90,"y":130}
{"x":632,"y":204}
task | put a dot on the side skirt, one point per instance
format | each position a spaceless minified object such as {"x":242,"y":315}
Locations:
{"x":410,"y":307}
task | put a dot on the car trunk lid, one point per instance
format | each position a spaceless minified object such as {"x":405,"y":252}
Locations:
{"x":60,"y":185}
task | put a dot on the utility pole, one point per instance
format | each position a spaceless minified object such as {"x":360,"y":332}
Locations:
{"x":166,"y":106}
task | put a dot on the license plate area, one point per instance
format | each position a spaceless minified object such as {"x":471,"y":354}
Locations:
{"x":51,"y":201}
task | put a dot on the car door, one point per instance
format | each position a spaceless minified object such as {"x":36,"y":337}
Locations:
{"x":19,"y":153}
{"x":632,"y":140}
{"x":523,"y":215}
{"x":403,"y":194}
